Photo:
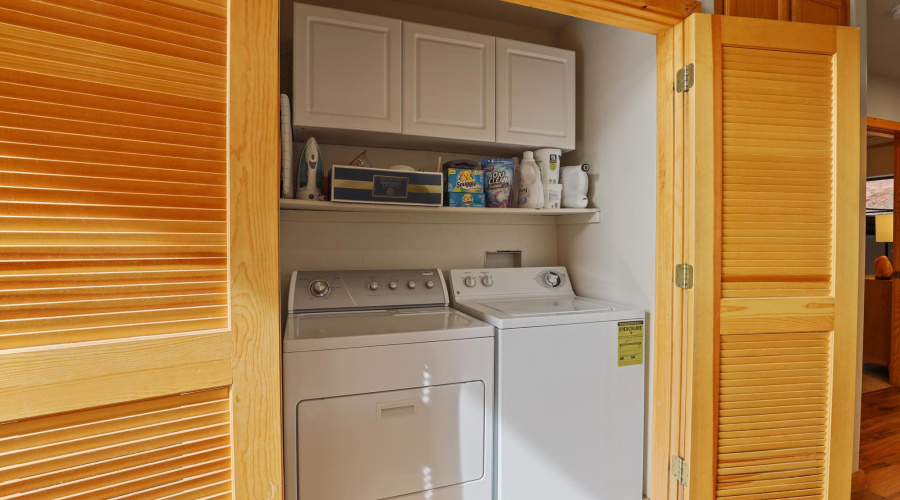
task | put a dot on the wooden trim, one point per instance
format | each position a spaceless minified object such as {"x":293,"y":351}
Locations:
{"x":679,"y":316}
{"x":847,"y":276}
{"x":700,"y":168}
{"x":700,"y":224}
{"x":648,"y":16}
{"x":762,"y":33}
{"x":717,"y":225}
{"x":894,"y":362}
{"x":253,"y":159}
{"x":882,"y":125}
{"x":666,"y":390}
{"x":858,"y":482}
{"x":784,"y":9}
{"x":44,"y":380}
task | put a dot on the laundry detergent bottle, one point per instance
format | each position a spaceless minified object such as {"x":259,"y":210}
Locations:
{"x":531,"y":189}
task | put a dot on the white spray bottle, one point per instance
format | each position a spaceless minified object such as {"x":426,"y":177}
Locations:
{"x":531,"y":190}
{"x":310,"y":172}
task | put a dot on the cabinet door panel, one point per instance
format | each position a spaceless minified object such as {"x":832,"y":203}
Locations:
{"x":448,"y":83}
{"x":833,"y":12}
{"x":346,"y":70}
{"x":535,"y":95}
{"x":773,"y":310}
{"x":760,"y":9}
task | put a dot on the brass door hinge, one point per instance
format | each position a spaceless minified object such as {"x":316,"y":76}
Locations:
{"x":680,"y":470}
{"x":684,"y":79}
{"x":684,"y":276}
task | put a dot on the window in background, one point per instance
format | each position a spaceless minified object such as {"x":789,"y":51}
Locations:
{"x":879,"y":194}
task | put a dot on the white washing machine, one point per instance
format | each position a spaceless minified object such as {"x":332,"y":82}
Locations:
{"x":388,"y":393}
{"x":570,"y":385}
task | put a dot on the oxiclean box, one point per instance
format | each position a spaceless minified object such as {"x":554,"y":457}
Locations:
{"x":394,"y":187}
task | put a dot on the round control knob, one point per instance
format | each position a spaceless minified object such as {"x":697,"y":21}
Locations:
{"x":487,"y":281}
{"x":470,"y":281}
{"x":429,"y":284}
{"x":392,"y":285}
{"x":411,"y":284}
{"x":552,"y":279}
{"x":373,"y":286}
{"x":319,"y":288}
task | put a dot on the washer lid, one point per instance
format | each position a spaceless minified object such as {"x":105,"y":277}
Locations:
{"x":342,"y":330}
{"x":524,"y":312}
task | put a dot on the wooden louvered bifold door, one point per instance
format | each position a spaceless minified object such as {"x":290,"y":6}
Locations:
{"x":122,"y":347}
{"x":774,"y":168}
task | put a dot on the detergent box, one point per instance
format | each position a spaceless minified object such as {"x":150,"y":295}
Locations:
{"x":466,"y":200}
{"x":498,"y":181}
{"x":463,"y":180}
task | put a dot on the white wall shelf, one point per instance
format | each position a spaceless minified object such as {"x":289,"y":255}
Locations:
{"x":454,"y":214}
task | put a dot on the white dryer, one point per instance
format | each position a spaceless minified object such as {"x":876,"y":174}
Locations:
{"x":569,"y":385}
{"x":388,"y":393}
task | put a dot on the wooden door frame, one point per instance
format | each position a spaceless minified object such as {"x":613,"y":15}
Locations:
{"x":666,"y":438}
{"x":892,"y":129}
{"x":655,"y":17}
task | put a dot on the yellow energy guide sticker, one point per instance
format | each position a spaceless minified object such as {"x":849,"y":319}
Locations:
{"x":631,"y":343}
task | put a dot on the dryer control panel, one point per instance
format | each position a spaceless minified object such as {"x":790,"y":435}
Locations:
{"x":316,"y":291}
{"x":509,"y":281}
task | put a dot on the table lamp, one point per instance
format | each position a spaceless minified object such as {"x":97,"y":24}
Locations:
{"x":884,"y":230}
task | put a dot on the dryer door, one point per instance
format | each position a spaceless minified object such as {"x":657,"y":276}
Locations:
{"x":387,"y":444}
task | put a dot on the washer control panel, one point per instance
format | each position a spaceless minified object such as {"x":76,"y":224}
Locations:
{"x":333,"y":290}
{"x":509,"y":281}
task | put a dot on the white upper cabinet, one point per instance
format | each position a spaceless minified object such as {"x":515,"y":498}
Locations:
{"x":448,"y":83}
{"x":347,"y":70}
{"x":535,"y":95}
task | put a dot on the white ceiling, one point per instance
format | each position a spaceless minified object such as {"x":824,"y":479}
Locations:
{"x":883,"y":38}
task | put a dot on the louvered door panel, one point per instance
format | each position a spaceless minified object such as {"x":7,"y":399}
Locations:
{"x":777,"y":183}
{"x":177,"y":445}
{"x":777,"y":173}
{"x":113,"y":183}
{"x":139,"y":354}
{"x":774,"y":366}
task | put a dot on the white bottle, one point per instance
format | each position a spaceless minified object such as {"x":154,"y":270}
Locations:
{"x":531,"y":192}
{"x":549,"y":160}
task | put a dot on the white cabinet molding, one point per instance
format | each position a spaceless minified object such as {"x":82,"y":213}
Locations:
{"x":347,"y":70}
{"x":448,"y":83}
{"x":535,"y":95}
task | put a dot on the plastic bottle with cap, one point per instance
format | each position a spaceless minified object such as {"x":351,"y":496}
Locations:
{"x":531,"y":193}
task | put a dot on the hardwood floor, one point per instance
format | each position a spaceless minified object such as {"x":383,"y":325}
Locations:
{"x":879,"y":448}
